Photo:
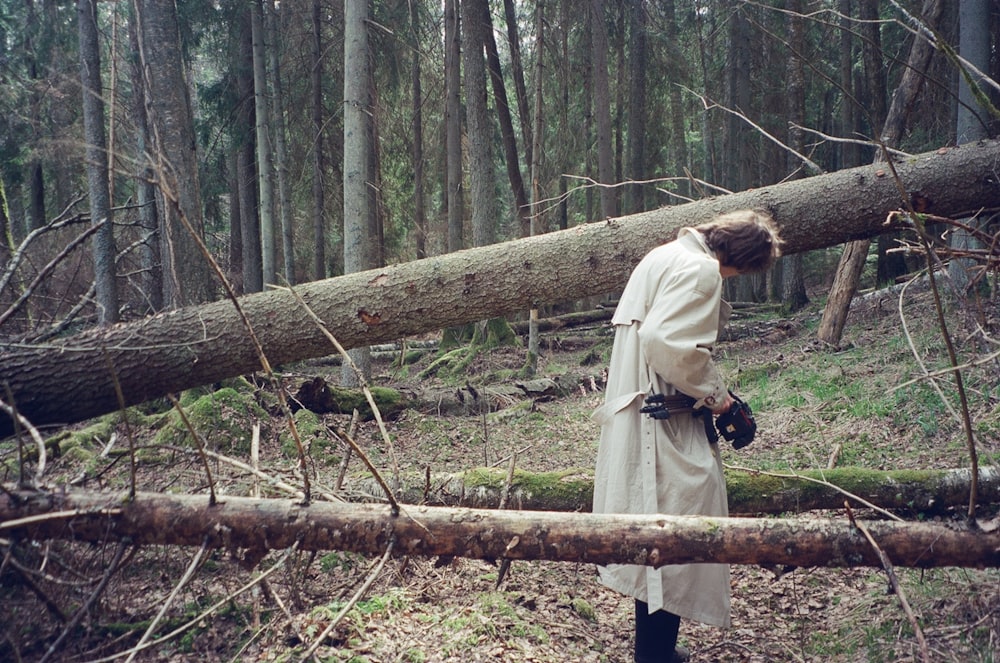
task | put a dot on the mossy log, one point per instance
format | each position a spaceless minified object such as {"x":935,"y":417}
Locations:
{"x":259,"y":525}
{"x":904,"y":491}
{"x":318,"y":396}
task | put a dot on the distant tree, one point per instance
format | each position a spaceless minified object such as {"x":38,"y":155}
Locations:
{"x":358,"y":250}
{"x":602,"y":108}
{"x":145,"y":192}
{"x":793,"y":286}
{"x":316,"y":144}
{"x":278,"y":131}
{"x":972,"y":118}
{"x":186,"y":274}
{"x":97,"y":163}
{"x":636,"y":114}
{"x":265,"y":164}
{"x":479,"y":130}
{"x":454,"y":198}
{"x":419,"y":208}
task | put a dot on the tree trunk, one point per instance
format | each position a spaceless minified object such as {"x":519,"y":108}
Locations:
{"x":793,"y":285}
{"x":455,"y":199}
{"x":852,"y":261}
{"x":517,"y":74}
{"x":97,"y":163}
{"x":200,"y":345}
{"x":638,"y":66}
{"x":482,"y":183}
{"x":602,"y":108}
{"x":750,"y":493}
{"x":265,"y":174}
{"x":971,"y":119}
{"x":653,"y":540}
{"x":246,"y":161}
{"x":149,"y":252}
{"x":417,"y":102}
{"x":678,"y":138}
{"x":318,"y":164}
{"x":358,"y":241}
{"x":273,"y":31}
{"x":187,"y":278}
{"x":508,"y":137}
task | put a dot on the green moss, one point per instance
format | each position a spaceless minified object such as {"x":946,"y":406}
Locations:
{"x":315,"y":437}
{"x":584,"y":609}
{"x":562,"y":489}
{"x":223,"y":419}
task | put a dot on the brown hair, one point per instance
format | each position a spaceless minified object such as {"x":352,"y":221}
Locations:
{"x":746,"y":240}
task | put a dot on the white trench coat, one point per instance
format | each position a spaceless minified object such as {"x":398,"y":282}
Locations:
{"x":666,"y":324}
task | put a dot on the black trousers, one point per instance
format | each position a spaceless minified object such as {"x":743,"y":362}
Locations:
{"x":655,"y":634}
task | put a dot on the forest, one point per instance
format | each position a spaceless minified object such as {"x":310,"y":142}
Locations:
{"x":304,"y":307}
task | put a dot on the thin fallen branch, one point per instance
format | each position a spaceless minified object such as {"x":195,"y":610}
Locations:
{"x":893,"y":582}
{"x":368,"y":397}
{"x":35,"y":435}
{"x":204,"y":614}
{"x":192,"y":567}
{"x":85,"y":608}
{"x":311,"y":652}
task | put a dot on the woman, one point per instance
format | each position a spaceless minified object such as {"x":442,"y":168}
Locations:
{"x":666,"y":325}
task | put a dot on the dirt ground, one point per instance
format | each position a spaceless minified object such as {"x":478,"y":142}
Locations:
{"x":432,"y":610}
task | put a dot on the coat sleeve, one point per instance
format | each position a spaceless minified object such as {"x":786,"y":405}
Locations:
{"x":681,"y":328}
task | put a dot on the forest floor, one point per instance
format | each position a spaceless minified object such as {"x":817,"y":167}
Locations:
{"x":816,"y":407}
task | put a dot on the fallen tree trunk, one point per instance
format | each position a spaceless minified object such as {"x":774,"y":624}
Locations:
{"x":655,"y":540}
{"x":200,"y":345}
{"x":911,"y":491}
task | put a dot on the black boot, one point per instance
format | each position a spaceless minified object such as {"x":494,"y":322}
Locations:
{"x":656,"y":636}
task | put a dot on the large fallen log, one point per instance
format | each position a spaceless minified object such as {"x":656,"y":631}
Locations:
{"x":259,"y":525}
{"x":904,"y":491}
{"x":81,"y":376}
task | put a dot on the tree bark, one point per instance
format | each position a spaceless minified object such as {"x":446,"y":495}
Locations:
{"x":97,"y":163}
{"x":482,"y":183}
{"x":265,"y":168}
{"x":318,"y":162}
{"x":359,"y":249}
{"x":750,"y":493}
{"x":654,"y":540}
{"x":200,"y":345}
{"x":508,"y":137}
{"x":455,"y":197}
{"x":187,"y":280}
{"x":602,"y":108}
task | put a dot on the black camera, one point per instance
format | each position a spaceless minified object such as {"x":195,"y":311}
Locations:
{"x":737,"y":425}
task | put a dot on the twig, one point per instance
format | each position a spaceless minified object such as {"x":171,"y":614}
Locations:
{"x":276,"y":483}
{"x":85,"y":608}
{"x":345,"y":461}
{"x":364,"y":387}
{"x":47,"y":270}
{"x":205,"y":613}
{"x":504,"y":497}
{"x":311,"y":652}
{"x":32,"y":431}
{"x":128,"y":431}
{"x":893,"y":582}
{"x":389,"y":494}
{"x":201,"y":447}
{"x":192,"y":567}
